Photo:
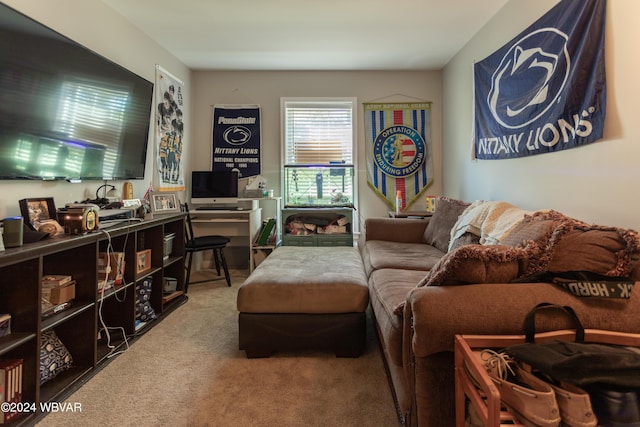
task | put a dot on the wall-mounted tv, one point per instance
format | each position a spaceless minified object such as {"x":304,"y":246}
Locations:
{"x":214,"y":187}
{"x":65,"y":111}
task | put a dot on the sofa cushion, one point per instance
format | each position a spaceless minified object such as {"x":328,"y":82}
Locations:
{"x":54,"y":356}
{"x":378,"y":254}
{"x":476,"y":264}
{"x":144,"y":310}
{"x":388,"y":288}
{"x":401,"y":230}
{"x":473,"y":264}
{"x":438,"y":231}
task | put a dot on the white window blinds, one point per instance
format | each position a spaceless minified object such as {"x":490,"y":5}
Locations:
{"x":318,"y":132}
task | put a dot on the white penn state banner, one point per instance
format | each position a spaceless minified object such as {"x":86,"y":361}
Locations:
{"x":399,"y":154}
{"x":169,"y":130}
{"x":545,"y":90}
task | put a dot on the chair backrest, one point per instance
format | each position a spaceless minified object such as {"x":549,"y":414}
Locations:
{"x":188,"y":235}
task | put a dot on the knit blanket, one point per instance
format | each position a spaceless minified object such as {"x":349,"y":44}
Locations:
{"x":492,"y":221}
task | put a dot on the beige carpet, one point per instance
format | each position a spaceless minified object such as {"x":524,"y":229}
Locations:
{"x":188,"y":371}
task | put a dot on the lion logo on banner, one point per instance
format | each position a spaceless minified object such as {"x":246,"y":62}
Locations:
{"x":540,"y":64}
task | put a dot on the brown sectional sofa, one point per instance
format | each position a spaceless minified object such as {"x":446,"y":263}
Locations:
{"x":424,"y":289}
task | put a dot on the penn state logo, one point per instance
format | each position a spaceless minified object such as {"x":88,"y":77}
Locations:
{"x":530,"y":78}
{"x":236,"y":135}
{"x":399,"y":151}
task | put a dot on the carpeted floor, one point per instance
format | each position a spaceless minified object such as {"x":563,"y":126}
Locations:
{"x":188,"y":371}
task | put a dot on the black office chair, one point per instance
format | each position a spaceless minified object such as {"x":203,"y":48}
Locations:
{"x":204,"y":243}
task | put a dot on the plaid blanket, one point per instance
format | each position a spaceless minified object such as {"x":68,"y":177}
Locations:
{"x":490,"y":220}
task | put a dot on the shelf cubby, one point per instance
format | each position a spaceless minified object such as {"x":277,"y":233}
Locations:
{"x":317,"y":218}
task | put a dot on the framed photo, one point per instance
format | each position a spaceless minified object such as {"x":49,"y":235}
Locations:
{"x":164,"y":203}
{"x":131,"y":203}
{"x":38,"y":210}
{"x":143,"y":261}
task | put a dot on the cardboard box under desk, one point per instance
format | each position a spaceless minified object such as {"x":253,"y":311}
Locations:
{"x":61,"y":294}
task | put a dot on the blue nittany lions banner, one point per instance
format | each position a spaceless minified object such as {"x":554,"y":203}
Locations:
{"x":236,"y":139}
{"x":545,"y":90}
{"x":399,"y":155}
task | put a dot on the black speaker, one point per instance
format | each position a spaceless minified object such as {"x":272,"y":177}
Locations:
{"x":13,"y":231}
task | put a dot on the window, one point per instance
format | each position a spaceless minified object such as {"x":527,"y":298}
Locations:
{"x":318,"y":131}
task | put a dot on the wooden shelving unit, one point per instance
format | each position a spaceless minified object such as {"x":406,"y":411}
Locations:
{"x":317,"y":216}
{"x":170,"y":297}
{"x":271,"y":207}
{"x":82,"y":327}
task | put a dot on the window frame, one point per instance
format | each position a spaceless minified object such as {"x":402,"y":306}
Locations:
{"x":354,"y":147}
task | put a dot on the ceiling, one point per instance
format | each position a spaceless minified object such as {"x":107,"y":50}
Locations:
{"x":310,"y":35}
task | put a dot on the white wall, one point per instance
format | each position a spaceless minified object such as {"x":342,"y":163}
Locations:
{"x":596,"y":183}
{"x":266,"y":88}
{"x":99,"y":28}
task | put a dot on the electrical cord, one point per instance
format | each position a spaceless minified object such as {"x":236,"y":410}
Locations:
{"x":105,"y":328}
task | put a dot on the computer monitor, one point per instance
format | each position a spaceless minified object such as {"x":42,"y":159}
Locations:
{"x":208,"y":187}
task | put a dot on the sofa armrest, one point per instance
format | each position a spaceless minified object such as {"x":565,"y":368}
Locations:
{"x":434,"y":314}
{"x":402,"y":230}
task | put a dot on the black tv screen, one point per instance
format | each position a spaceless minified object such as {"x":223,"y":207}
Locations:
{"x":65,"y":111}
{"x":213,"y":187}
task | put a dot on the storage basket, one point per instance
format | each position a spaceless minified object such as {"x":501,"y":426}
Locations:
{"x":169,"y":285}
{"x":168,"y":245}
{"x":486,"y":398}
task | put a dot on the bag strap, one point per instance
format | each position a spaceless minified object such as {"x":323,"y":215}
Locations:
{"x":530,"y":321}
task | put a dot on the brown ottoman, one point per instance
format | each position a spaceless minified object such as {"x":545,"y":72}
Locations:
{"x":305,"y":298}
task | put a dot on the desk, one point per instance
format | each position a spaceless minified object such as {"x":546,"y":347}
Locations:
{"x":240,"y":226}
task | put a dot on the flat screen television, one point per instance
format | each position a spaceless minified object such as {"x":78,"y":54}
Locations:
{"x":219,"y":187}
{"x":65,"y":111}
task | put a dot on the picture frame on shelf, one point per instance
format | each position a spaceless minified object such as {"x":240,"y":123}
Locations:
{"x":164,"y":203}
{"x":38,"y":210}
{"x":143,"y":261}
{"x":131,"y":203}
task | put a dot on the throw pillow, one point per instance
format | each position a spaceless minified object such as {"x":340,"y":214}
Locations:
{"x":476,"y":264}
{"x":144,"y":311}
{"x":438,"y":231}
{"x":466,"y":239}
{"x":54,"y":356}
{"x":601,"y":250}
{"x":574,"y":245}
{"x":530,"y":229}
{"x":536,"y":233}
